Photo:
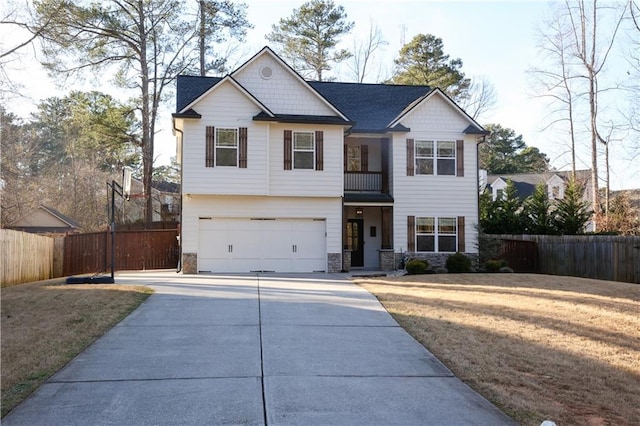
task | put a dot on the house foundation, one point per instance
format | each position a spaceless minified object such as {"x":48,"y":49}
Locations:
{"x":189,"y":263}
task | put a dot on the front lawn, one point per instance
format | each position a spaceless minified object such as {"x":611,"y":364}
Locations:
{"x":538,"y":346}
{"x":45,"y":325}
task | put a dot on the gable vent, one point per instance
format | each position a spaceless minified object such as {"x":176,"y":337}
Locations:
{"x":266,"y":73}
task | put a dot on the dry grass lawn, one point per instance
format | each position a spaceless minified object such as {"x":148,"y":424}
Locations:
{"x":538,"y":346}
{"x":45,"y":325}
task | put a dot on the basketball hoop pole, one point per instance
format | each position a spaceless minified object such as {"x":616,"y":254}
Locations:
{"x":115,"y":189}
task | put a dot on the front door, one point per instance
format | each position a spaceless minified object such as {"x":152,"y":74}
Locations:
{"x":355,"y":241}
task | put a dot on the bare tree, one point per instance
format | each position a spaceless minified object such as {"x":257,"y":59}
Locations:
{"x":632,"y":115}
{"x":579,"y":44}
{"x":18,"y":32}
{"x":556,"y":81}
{"x":364,"y":53}
{"x":149,"y":41}
{"x":480,"y":98}
{"x":586,"y":39}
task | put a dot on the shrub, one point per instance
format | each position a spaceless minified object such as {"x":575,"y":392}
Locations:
{"x":416,"y":266}
{"x":492,"y":265}
{"x":457,"y":263}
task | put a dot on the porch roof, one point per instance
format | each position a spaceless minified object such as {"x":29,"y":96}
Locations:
{"x":367,"y":197}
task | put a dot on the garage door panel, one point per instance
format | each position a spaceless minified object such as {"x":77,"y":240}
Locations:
{"x":244,"y":245}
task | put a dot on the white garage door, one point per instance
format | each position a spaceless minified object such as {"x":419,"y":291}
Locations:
{"x":249,"y":245}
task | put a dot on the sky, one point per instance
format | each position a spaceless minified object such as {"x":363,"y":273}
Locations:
{"x":495,"y":40}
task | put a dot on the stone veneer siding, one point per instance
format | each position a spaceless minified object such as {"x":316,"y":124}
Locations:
{"x":334,"y":262}
{"x":387,"y":260}
{"x":189,"y":263}
{"x":346,"y":260}
{"x":436,"y":260}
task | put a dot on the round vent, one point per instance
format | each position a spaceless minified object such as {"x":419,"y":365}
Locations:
{"x":266,"y":72}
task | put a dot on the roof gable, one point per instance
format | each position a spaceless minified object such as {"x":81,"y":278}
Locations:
{"x":45,"y":217}
{"x":472,"y":128}
{"x":230,"y":80}
{"x":282,"y":89}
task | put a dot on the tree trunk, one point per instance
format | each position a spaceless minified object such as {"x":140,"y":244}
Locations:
{"x":202,"y":37}
{"x":147,"y":135}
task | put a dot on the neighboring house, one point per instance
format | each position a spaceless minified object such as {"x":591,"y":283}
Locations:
{"x":525,"y":183}
{"x":167,"y":195}
{"x":45,"y":220}
{"x":280,"y":174}
{"x":166,"y":203}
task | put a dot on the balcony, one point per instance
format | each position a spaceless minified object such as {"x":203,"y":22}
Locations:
{"x":363,"y":181}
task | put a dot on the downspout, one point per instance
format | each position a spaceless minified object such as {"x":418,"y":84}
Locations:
{"x":175,"y":129}
{"x":484,"y":139}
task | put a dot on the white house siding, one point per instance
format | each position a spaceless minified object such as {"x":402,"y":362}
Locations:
{"x":197,"y":206}
{"x":283,"y":93}
{"x":226,"y":106}
{"x":306,"y":183}
{"x":437,"y":196}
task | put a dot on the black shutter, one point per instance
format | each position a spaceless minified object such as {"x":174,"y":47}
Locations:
{"x":410,"y":158}
{"x":210,"y":147}
{"x":319,"y":150}
{"x":411,"y":233}
{"x":461,"y":244}
{"x":460,"y":158}
{"x":364,"y":158}
{"x":287,"y":150}
{"x":242,"y":148}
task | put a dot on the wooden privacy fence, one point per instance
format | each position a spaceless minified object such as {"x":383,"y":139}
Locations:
{"x":605,"y":257}
{"x":135,"y":250}
{"x":25,"y":257}
{"x":521,"y":256}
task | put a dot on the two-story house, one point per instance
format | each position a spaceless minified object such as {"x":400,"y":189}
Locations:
{"x":525,"y":183}
{"x":280,"y":174}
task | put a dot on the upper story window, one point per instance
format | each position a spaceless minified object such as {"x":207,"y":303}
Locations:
{"x":435,"y":158}
{"x":226,"y":147}
{"x":304,"y":152}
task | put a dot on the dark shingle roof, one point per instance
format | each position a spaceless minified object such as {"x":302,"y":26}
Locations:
{"x":525,"y":183}
{"x":190,"y":87}
{"x":371,"y":106}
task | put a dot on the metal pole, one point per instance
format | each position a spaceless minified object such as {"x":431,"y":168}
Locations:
{"x":113,"y":230}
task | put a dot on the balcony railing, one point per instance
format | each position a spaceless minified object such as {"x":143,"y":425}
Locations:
{"x":363,"y":181}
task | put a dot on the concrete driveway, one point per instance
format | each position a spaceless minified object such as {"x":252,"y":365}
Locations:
{"x":261,"y":349}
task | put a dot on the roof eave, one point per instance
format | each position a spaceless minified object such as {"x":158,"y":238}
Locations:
{"x":302,"y":120}
{"x":190,"y":113}
{"x":475,"y":130}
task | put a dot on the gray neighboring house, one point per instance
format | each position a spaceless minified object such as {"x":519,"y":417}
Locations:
{"x":525,"y":183}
